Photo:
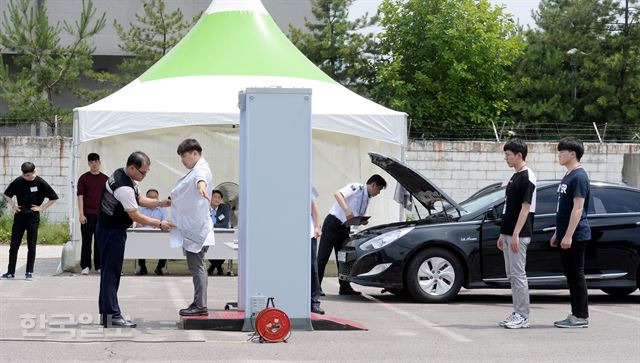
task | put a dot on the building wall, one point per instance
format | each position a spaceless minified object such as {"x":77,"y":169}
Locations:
{"x":108,"y":55}
{"x":284,"y":12}
{"x":459,"y":168}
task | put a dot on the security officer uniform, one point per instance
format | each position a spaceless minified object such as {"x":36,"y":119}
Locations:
{"x":335,"y":233}
{"x":111,"y":234}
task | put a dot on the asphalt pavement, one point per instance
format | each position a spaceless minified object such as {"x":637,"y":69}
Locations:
{"x":53,"y":318}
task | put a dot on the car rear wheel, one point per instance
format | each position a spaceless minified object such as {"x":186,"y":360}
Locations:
{"x":619,"y":291}
{"x":434,"y":275}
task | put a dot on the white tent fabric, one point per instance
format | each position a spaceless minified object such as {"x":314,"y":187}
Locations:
{"x":213,"y":100}
{"x":183,"y":96}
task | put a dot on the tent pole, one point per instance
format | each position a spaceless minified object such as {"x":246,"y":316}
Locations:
{"x":403,"y":158}
{"x":73,"y":178}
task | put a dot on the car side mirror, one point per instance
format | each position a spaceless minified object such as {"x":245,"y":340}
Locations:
{"x":491,"y":214}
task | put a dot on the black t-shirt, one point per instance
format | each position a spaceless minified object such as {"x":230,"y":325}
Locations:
{"x":30,"y":193}
{"x":521,"y":188}
{"x":575,"y":184}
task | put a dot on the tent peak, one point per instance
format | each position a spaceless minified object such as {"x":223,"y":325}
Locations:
{"x":219,"y":6}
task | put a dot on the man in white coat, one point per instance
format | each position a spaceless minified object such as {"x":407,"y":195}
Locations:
{"x":194,"y":228}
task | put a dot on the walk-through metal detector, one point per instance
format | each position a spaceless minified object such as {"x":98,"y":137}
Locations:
{"x":274,"y":246}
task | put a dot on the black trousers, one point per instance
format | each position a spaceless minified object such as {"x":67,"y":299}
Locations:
{"x":88,"y":231}
{"x":334,"y":235}
{"x":573,"y":264}
{"x":143,"y":264}
{"x":111,"y":242}
{"x":315,"y":281}
{"x":216,"y":264}
{"x":26,"y":221}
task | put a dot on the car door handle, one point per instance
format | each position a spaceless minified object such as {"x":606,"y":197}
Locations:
{"x":548,"y":229}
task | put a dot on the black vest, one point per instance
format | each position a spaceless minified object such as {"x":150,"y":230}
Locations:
{"x":112,"y":213}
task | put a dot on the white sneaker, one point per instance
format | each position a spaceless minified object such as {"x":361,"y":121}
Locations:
{"x":85,"y":271}
{"x":98,"y":271}
{"x":518,"y":322}
{"x":508,"y":319}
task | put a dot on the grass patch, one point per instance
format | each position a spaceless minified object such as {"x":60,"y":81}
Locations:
{"x":179,"y":268}
{"x":48,"y":233}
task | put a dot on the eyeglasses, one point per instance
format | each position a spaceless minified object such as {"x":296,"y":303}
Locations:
{"x":143,"y":173}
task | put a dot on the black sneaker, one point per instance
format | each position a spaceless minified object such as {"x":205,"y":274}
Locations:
{"x":317,"y":310}
{"x":158,"y":271}
{"x":349,"y":291}
{"x":8,"y":276}
{"x":194,"y":311}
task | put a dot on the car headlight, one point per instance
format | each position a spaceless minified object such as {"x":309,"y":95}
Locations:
{"x":384,"y":239}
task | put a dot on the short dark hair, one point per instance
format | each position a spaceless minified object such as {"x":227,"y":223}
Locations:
{"x":188,"y":145}
{"x":152,"y":190}
{"x":93,"y":157}
{"x":516,"y":145}
{"x":377,"y":180}
{"x":137,"y":158}
{"x":572,"y":144}
{"x":217,"y":191}
{"x":27,"y":167}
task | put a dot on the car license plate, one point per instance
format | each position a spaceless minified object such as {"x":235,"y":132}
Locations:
{"x":342,"y":256}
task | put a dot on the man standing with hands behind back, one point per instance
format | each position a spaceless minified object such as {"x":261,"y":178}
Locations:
{"x":118,"y":210}
{"x":90,"y":187}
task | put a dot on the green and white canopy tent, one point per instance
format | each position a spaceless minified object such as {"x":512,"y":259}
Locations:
{"x":193,"y":92}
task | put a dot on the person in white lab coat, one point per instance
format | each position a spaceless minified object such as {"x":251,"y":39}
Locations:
{"x":194,"y":228}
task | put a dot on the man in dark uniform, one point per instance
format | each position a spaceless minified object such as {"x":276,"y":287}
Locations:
{"x":118,"y":210}
{"x":30,"y":191}
{"x":351,"y":201}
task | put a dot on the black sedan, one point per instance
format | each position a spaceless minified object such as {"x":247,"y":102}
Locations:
{"x":454,"y":244}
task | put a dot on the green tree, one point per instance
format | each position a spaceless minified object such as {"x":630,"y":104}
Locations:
{"x":446,"y":63}
{"x":45,"y":65}
{"x":146,"y":41}
{"x":341,"y":47}
{"x":581,"y":65}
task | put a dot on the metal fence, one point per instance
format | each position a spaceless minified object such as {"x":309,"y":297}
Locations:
{"x":41,"y":128}
{"x":595,"y":133}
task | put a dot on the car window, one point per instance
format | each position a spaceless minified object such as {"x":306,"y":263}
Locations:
{"x":547,"y":200}
{"x":614,"y":200}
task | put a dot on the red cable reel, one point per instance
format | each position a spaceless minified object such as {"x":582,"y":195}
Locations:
{"x":272,"y":325}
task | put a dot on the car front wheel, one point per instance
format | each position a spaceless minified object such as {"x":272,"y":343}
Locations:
{"x":434,"y":275}
{"x":619,"y":291}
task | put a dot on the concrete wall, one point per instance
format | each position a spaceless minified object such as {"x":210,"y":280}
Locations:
{"x":462,"y":167}
{"x":459,"y":167}
{"x":52,"y":157}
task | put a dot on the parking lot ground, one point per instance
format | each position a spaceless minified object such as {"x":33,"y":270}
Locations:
{"x":400,"y":329}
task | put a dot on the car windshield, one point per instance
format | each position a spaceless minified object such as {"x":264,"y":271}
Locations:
{"x":478,"y":202}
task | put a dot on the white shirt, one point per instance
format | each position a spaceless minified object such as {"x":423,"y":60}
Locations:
{"x":357,"y":198}
{"x":190,"y":211}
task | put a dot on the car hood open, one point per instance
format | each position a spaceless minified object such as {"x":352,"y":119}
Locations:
{"x":421,"y":188}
